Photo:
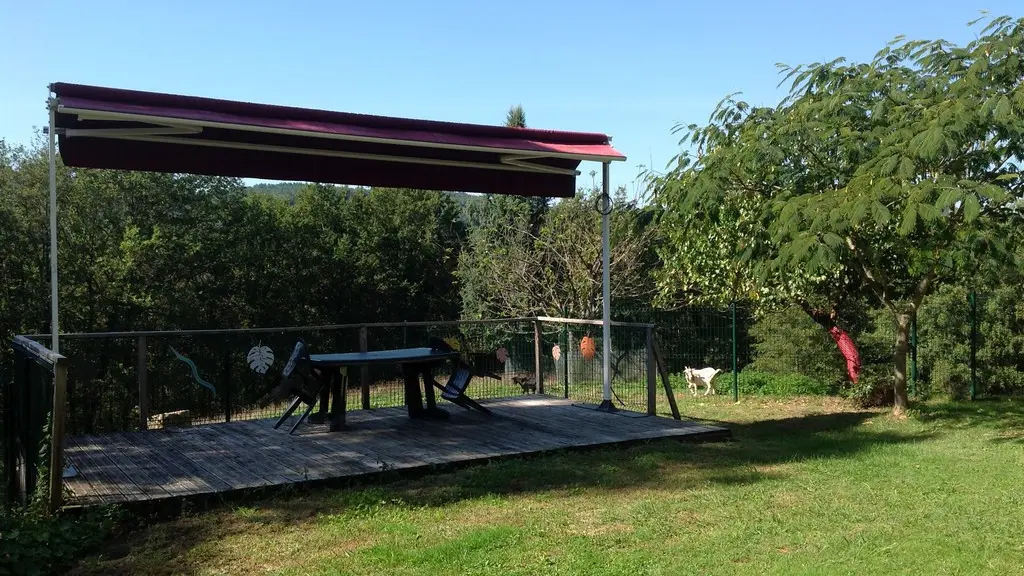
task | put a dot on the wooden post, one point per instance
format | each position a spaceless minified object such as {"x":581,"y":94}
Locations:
{"x":364,"y":371}
{"x":652,"y":375}
{"x":227,"y":383}
{"x":668,"y":384}
{"x":60,"y":386}
{"x":141,"y":371}
{"x":537,"y":357}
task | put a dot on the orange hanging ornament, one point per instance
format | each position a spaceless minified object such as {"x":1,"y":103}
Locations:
{"x":588,"y":348}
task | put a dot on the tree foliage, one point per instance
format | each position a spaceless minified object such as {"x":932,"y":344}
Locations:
{"x":898,"y":173}
{"x":161,"y":251}
{"x":509,"y":271}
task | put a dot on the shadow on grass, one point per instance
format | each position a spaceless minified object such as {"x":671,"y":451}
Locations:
{"x":757,"y":453}
{"x":1003,"y":416}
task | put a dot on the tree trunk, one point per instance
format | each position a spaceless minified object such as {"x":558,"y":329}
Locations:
{"x":901,"y":401}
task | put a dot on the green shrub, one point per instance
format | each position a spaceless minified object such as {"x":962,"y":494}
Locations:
{"x":789,"y":342}
{"x":874,"y":387}
{"x":944,"y":334}
{"x":753,"y":383}
{"x":34,"y":543}
{"x":765,"y":384}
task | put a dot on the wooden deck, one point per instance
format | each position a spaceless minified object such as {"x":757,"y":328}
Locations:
{"x":216,"y":458}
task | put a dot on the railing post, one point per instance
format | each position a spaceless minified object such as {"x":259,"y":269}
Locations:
{"x":537,"y":357}
{"x":735,"y":372}
{"x":565,"y":358}
{"x":60,"y":385}
{"x":142,"y":372}
{"x":228,"y":384}
{"x":652,"y":375}
{"x":364,"y":371}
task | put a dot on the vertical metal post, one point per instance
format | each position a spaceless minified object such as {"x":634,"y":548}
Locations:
{"x":606,"y":320}
{"x":565,"y":358}
{"x":537,"y":365}
{"x":735,"y":372}
{"x":54,"y":325}
{"x":973,"y":298}
{"x":227,"y":382}
{"x":141,"y":371}
{"x":913,"y":354}
{"x":60,"y":384}
{"x":364,"y":371}
{"x":652,"y":375}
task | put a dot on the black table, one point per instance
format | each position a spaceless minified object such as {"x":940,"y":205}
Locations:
{"x":415,"y":363}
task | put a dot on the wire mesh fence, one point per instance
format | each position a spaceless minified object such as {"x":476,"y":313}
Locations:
{"x":573,"y":362}
{"x":127,"y":382}
{"x":965,"y":346}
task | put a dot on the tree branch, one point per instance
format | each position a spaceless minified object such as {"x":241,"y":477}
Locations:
{"x":869,"y":275}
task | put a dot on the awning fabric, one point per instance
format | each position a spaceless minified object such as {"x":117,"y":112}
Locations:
{"x":132,"y":130}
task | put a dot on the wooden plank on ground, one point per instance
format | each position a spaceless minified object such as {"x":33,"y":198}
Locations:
{"x":103,"y":474}
{"x":182,"y":478}
{"x":82,"y":491}
{"x":313,"y":456}
{"x":214,"y":461}
{"x":239,"y":459}
{"x":126,"y":454}
{"x":247,"y":454}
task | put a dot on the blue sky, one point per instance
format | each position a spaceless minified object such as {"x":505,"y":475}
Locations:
{"x":629,"y":69}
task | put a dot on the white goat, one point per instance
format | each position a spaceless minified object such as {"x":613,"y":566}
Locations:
{"x":695,"y":378}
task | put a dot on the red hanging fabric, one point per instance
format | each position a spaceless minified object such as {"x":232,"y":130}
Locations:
{"x":843,"y":341}
{"x":848,"y":350}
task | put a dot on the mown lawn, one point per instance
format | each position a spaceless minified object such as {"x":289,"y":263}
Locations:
{"x":809,"y":486}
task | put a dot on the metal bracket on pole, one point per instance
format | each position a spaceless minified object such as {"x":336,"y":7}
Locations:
{"x":606,"y":323}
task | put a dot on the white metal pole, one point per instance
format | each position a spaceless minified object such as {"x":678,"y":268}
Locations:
{"x":54,"y":345}
{"x":606,"y":321}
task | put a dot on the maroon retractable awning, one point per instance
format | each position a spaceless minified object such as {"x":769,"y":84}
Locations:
{"x":132,"y":130}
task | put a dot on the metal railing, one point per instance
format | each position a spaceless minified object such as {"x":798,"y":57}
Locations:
{"x":129,"y":381}
{"x":34,"y":422}
{"x":123,"y":381}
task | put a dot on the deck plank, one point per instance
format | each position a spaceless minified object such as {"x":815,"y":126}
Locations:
{"x":79,"y":485}
{"x":225,"y":457}
{"x":111,"y":484}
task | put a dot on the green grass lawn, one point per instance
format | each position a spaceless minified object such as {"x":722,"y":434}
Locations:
{"x":809,"y":486}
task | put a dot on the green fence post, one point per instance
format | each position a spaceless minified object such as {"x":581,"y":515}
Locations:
{"x":735,"y":373}
{"x":973,"y":299}
{"x":913,"y":354}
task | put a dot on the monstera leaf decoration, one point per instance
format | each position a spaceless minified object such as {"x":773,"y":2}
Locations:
{"x":588,"y":347}
{"x":260,"y":358}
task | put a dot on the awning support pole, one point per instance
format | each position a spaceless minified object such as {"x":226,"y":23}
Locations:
{"x":54,"y":327}
{"x":606,"y":321}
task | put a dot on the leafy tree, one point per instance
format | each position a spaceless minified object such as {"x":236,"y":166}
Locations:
{"x":513,"y":273}
{"x":516,"y":117}
{"x":889,"y":170}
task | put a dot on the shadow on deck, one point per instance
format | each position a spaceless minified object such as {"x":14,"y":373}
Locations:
{"x":243,"y":455}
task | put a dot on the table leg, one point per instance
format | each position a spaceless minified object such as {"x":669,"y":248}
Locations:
{"x":428,"y":388}
{"x":413,"y":400}
{"x":339,"y":387}
{"x":426,"y":372}
{"x":325,"y":396}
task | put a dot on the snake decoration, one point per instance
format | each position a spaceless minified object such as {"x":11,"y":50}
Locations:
{"x":195,"y":371}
